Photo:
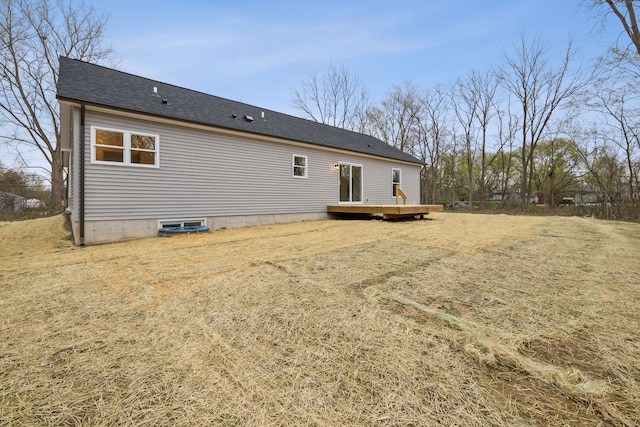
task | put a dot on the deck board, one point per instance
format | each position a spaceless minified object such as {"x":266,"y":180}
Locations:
{"x":390,"y":211}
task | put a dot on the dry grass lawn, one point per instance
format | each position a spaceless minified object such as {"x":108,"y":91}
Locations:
{"x":468,"y":320}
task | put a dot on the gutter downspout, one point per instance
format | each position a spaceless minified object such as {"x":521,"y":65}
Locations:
{"x":82,"y":160}
{"x":423,"y":170}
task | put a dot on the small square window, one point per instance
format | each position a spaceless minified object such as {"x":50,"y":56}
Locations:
{"x":299,"y":166}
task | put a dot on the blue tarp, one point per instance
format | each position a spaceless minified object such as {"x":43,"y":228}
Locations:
{"x":185,"y":229}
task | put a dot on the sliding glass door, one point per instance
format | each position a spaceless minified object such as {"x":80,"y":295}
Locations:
{"x":350,"y":183}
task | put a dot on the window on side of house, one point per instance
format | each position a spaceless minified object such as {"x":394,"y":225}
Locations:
{"x":124,"y":147}
{"x":176,"y":223}
{"x":396,"y":180}
{"x":299,"y":166}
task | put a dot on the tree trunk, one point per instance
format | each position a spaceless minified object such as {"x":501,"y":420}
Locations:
{"x":523,"y":183}
{"x":434,"y":185}
{"x":469,"y":174}
{"x":483,"y":168}
{"x":57,"y":177}
{"x":524,"y":158}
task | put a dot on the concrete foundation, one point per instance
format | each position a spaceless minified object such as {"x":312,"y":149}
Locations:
{"x":97,"y":232}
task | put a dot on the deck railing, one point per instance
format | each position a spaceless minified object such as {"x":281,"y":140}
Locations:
{"x":400,"y":193}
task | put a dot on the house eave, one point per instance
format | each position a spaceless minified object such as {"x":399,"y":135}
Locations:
{"x":102,"y":108}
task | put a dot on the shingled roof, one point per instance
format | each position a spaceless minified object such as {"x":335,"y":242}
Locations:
{"x":91,"y":84}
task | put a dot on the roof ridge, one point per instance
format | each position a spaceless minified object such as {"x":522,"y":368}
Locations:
{"x":109,"y":87}
{"x":214,"y":96}
{"x":104,"y":67}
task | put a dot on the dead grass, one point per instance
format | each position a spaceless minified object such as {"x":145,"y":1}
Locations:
{"x":462,"y":320}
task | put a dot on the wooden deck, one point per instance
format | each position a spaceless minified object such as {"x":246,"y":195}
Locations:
{"x":387,"y":211}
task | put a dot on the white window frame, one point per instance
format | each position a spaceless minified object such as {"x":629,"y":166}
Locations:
{"x":294,"y":166}
{"x":126,"y":160}
{"x":351,"y":166}
{"x":393,"y":183}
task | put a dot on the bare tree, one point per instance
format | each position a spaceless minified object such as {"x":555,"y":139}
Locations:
{"x":486,"y":86}
{"x":625,"y":12}
{"x":603,"y":170}
{"x":465,"y":102}
{"x":432,"y":140}
{"x":540,"y":90}
{"x":620,"y":108}
{"x":625,"y":54}
{"x":474,"y":104}
{"x":504,"y":164}
{"x":33,"y":34}
{"x":335,"y":97}
{"x":395,"y":120}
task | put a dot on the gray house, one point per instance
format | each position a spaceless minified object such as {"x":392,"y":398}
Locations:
{"x":142,"y":154}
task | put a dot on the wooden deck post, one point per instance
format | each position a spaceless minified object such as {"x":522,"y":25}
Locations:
{"x":400,"y":193}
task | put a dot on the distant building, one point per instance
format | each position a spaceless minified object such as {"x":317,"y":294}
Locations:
{"x":509,"y":196}
{"x":34,"y":204}
{"x":11,"y":202}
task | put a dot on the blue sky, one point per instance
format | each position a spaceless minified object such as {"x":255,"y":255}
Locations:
{"x":257,"y":51}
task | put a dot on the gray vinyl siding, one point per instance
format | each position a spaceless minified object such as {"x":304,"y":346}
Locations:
{"x":205,"y":173}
